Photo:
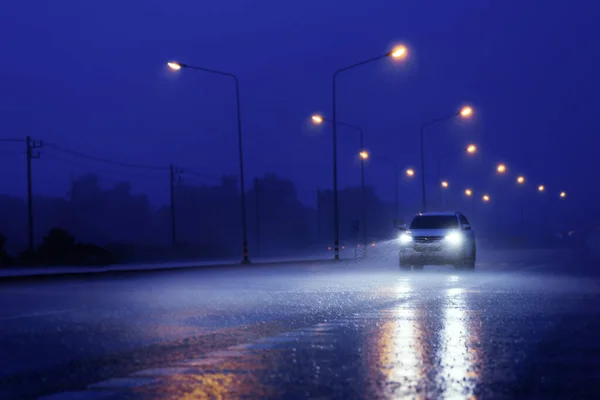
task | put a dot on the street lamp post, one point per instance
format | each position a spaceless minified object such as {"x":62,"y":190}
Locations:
{"x":398,"y":52}
{"x":443,"y":185}
{"x":363,"y":155}
{"x":521,"y":181}
{"x":409,"y":173}
{"x":177,"y":66}
{"x":464,"y":112}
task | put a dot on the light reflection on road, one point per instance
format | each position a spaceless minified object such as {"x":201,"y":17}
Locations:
{"x":458,"y":367}
{"x":400,"y":348}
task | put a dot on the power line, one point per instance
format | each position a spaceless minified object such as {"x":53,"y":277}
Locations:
{"x":120,"y":173}
{"x":11,"y":140}
{"x":202,"y":176}
{"x":104,"y":160}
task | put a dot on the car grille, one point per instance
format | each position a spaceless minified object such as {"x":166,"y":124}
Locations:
{"x":427,"y":239}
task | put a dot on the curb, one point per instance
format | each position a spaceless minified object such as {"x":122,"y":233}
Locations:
{"x":81,"y":273}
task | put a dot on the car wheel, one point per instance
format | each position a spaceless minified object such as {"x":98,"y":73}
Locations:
{"x":470,"y":261}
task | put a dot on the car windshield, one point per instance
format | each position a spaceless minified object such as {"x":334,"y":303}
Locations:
{"x":434,"y":222}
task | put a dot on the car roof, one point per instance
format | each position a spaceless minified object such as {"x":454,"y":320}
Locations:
{"x":437,"y":214}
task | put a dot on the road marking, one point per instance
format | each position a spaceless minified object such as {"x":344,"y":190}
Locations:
{"x":33,"y":315}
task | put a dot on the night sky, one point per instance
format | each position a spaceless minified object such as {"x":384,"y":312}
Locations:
{"x":92,"y":76}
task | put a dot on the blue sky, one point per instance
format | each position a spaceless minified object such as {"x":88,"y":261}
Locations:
{"x":91,"y":76}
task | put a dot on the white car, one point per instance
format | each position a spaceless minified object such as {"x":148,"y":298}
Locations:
{"x":438,"y":239}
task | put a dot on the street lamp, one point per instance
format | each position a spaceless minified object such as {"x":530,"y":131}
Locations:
{"x":471,"y":149}
{"x":485,"y":198}
{"x":465,"y":112}
{"x":520,"y":180}
{"x":398,"y":52}
{"x":541,"y":188}
{"x":501,"y":168}
{"x":317,"y":119}
{"x":176,"y":66}
{"x":444,"y":184}
{"x":468,"y":192}
{"x":563,"y":194}
{"x":363,"y":154}
{"x":409,"y":173}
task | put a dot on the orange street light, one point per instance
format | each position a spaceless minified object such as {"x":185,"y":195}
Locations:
{"x":466,"y":112}
{"x":445,"y":184}
{"x":471,"y":149}
{"x":468,"y":192}
{"x":485,"y":198}
{"x":521,"y":180}
{"x":410,"y":172}
{"x":563,"y":194}
{"x":317,"y":119}
{"x":175,"y":66}
{"x":399,"y":52}
{"x":364,"y":154}
{"x":541,"y":188}
{"x":501,"y":168}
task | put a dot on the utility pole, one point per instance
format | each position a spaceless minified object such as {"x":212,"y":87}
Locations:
{"x":396,"y":190}
{"x":31,"y":145}
{"x":319,"y":216}
{"x":174,"y":174}
{"x":257,"y":193}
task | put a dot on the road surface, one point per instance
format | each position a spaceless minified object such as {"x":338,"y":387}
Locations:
{"x":346,"y":330}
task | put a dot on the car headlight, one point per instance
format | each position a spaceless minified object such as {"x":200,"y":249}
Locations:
{"x":405,"y":238}
{"x":455,"y":238}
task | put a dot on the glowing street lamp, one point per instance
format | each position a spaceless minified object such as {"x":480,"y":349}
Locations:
{"x":398,"y":53}
{"x":317,"y":119}
{"x":541,"y":188}
{"x":471,"y":149}
{"x":444,"y":184}
{"x":410,"y":172}
{"x":468,"y":192}
{"x":563,"y":194}
{"x":464,"y":112}
{"x":521,"y":180}
{"x":176,"y":66}
{"x":485,"y":198}
{"x":501,"y":168}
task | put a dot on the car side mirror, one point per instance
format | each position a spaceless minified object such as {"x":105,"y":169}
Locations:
{"x":466,"y":227}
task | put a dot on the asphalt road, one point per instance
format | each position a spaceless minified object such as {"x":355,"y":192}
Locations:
{"x":511,"y":329}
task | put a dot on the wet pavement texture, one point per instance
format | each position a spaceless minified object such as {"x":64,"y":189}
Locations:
{"x":339,"y":331}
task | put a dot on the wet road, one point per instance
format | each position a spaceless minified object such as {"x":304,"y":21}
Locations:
{"x":509,"y":329}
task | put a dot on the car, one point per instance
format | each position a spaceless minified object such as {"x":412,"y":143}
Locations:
{"x":437,"y":238}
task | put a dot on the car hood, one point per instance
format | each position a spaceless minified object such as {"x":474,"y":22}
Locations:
{"x":431,"y":232}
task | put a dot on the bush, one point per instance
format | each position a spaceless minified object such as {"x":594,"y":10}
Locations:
{"x":60,"y":248}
